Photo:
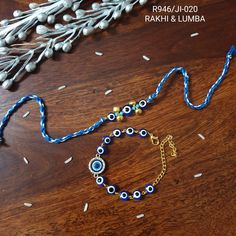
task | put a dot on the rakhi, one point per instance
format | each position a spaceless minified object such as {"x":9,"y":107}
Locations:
{"x":21,"y":58}
{"x":97,"y":165}
{"x":118,"y":114}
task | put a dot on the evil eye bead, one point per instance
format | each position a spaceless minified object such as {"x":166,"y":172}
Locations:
{"x":97,"y":166}
{"x":106,"y":140}
{"x":143,"y":133}
{"x":124,"y":196}
{"x":142,"y":104}
{"x":150,"y":188}
{"x":111,"y":189}
{"x":130,"y":131}
{"x":137,"y":195}
{"x":127,"y":110}
{"x":100,"y":180}
{"x":111,"y":117}
{"x":101,"y":150}
{"x":117,"y":133}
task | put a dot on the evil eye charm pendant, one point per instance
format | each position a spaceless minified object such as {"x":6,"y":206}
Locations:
{"x":97,"y":165}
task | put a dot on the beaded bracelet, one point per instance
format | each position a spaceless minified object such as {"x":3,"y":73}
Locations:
{"x":97,"y":165}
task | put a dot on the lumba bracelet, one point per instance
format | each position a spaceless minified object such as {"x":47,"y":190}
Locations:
{"x":97,"y":165}
{"x":119,"y":113}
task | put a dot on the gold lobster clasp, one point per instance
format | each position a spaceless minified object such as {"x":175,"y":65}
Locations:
{"x":154,"y":139}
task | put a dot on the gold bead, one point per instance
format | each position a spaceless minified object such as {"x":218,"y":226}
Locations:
{"x":138,"y":111}
{"x":116,"y":109}
{"x":120,"y":118}
{"x":132,"y":103}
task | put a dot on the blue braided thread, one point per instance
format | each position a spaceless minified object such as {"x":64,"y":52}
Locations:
{"x":90,"y":129}
{"x":208,"y":97}
{"x":48,"y":138}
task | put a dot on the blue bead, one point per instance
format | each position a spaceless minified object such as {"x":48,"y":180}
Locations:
{"x":150,"y":188}
{"x":117,"y":133}
{"x":106,"y":140}
{"x":143,"y":133}
{"x":124,"y":196}
{"x":100,"y":180}
{"x":101,"y":150}
{"x":111,"y":116}
{"x":142,"y":104}
{"x":137,"y":195}
{"x":127,"y":110}
{"x":130,"y":131}
{"x":111,"y":189}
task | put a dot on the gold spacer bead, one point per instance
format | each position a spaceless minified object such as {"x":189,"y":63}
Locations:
{"x":138,"y":111}
{"x":132,"y":103}
{"x":116,"y":109}
{"x":120,"y":118}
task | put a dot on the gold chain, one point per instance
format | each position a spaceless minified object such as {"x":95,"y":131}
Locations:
{"x":155,"y":141}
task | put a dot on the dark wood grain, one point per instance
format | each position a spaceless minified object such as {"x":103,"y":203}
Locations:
{"x":183,"y":205}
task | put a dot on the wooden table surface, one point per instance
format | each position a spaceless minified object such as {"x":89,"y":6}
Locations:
{"x":183,"y":205}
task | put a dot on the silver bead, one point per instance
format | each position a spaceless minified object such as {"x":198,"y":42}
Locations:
{"x":58,"y":26}
{"x":66,"y":47}
{"x":103,"y":24}
{"x":3,"y":76}
{"x":41,"y":29}
{"x":30,"y":67}
{"x":22,"y":36}
{"x":79,"y":13}
{"x":67,"y":18}
{"x":116,"y":14}
{"x":10,"y":39}
{"x":58,"y":46}
{"x":67,"y":3}
{"x":95,"y":6}
{"x":49,"y":53}
{"x":2,"y":43}
{"x":17,"y":13}
{"x":75,"y":6}
{"x":42,"y":17}
{"x":51,"y":19}
{"x":4,"y":51}
{"x":129,"y":8}
{"x":142,"y":2}
{"x":33,"y":5}
{"x":7,"y":84}
{"x":4,"y":22}
{"x":87,"y":30}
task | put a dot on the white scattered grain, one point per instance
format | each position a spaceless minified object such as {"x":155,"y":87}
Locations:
{"x":26,"y":114}
{"x":194,"y":35}
{"x":61,"y":87}
{"x":146,"y":58}
{"x":86,"y":207}
{"x":140,"y":216}
{"x":28,"y":204}
{"x":99,"y":54}
{"x":201,"y":136}
{"x":26,"y":161}
{"x":68,"y":160}
{"x":108,"y":92}
{"x":197,"y":175}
